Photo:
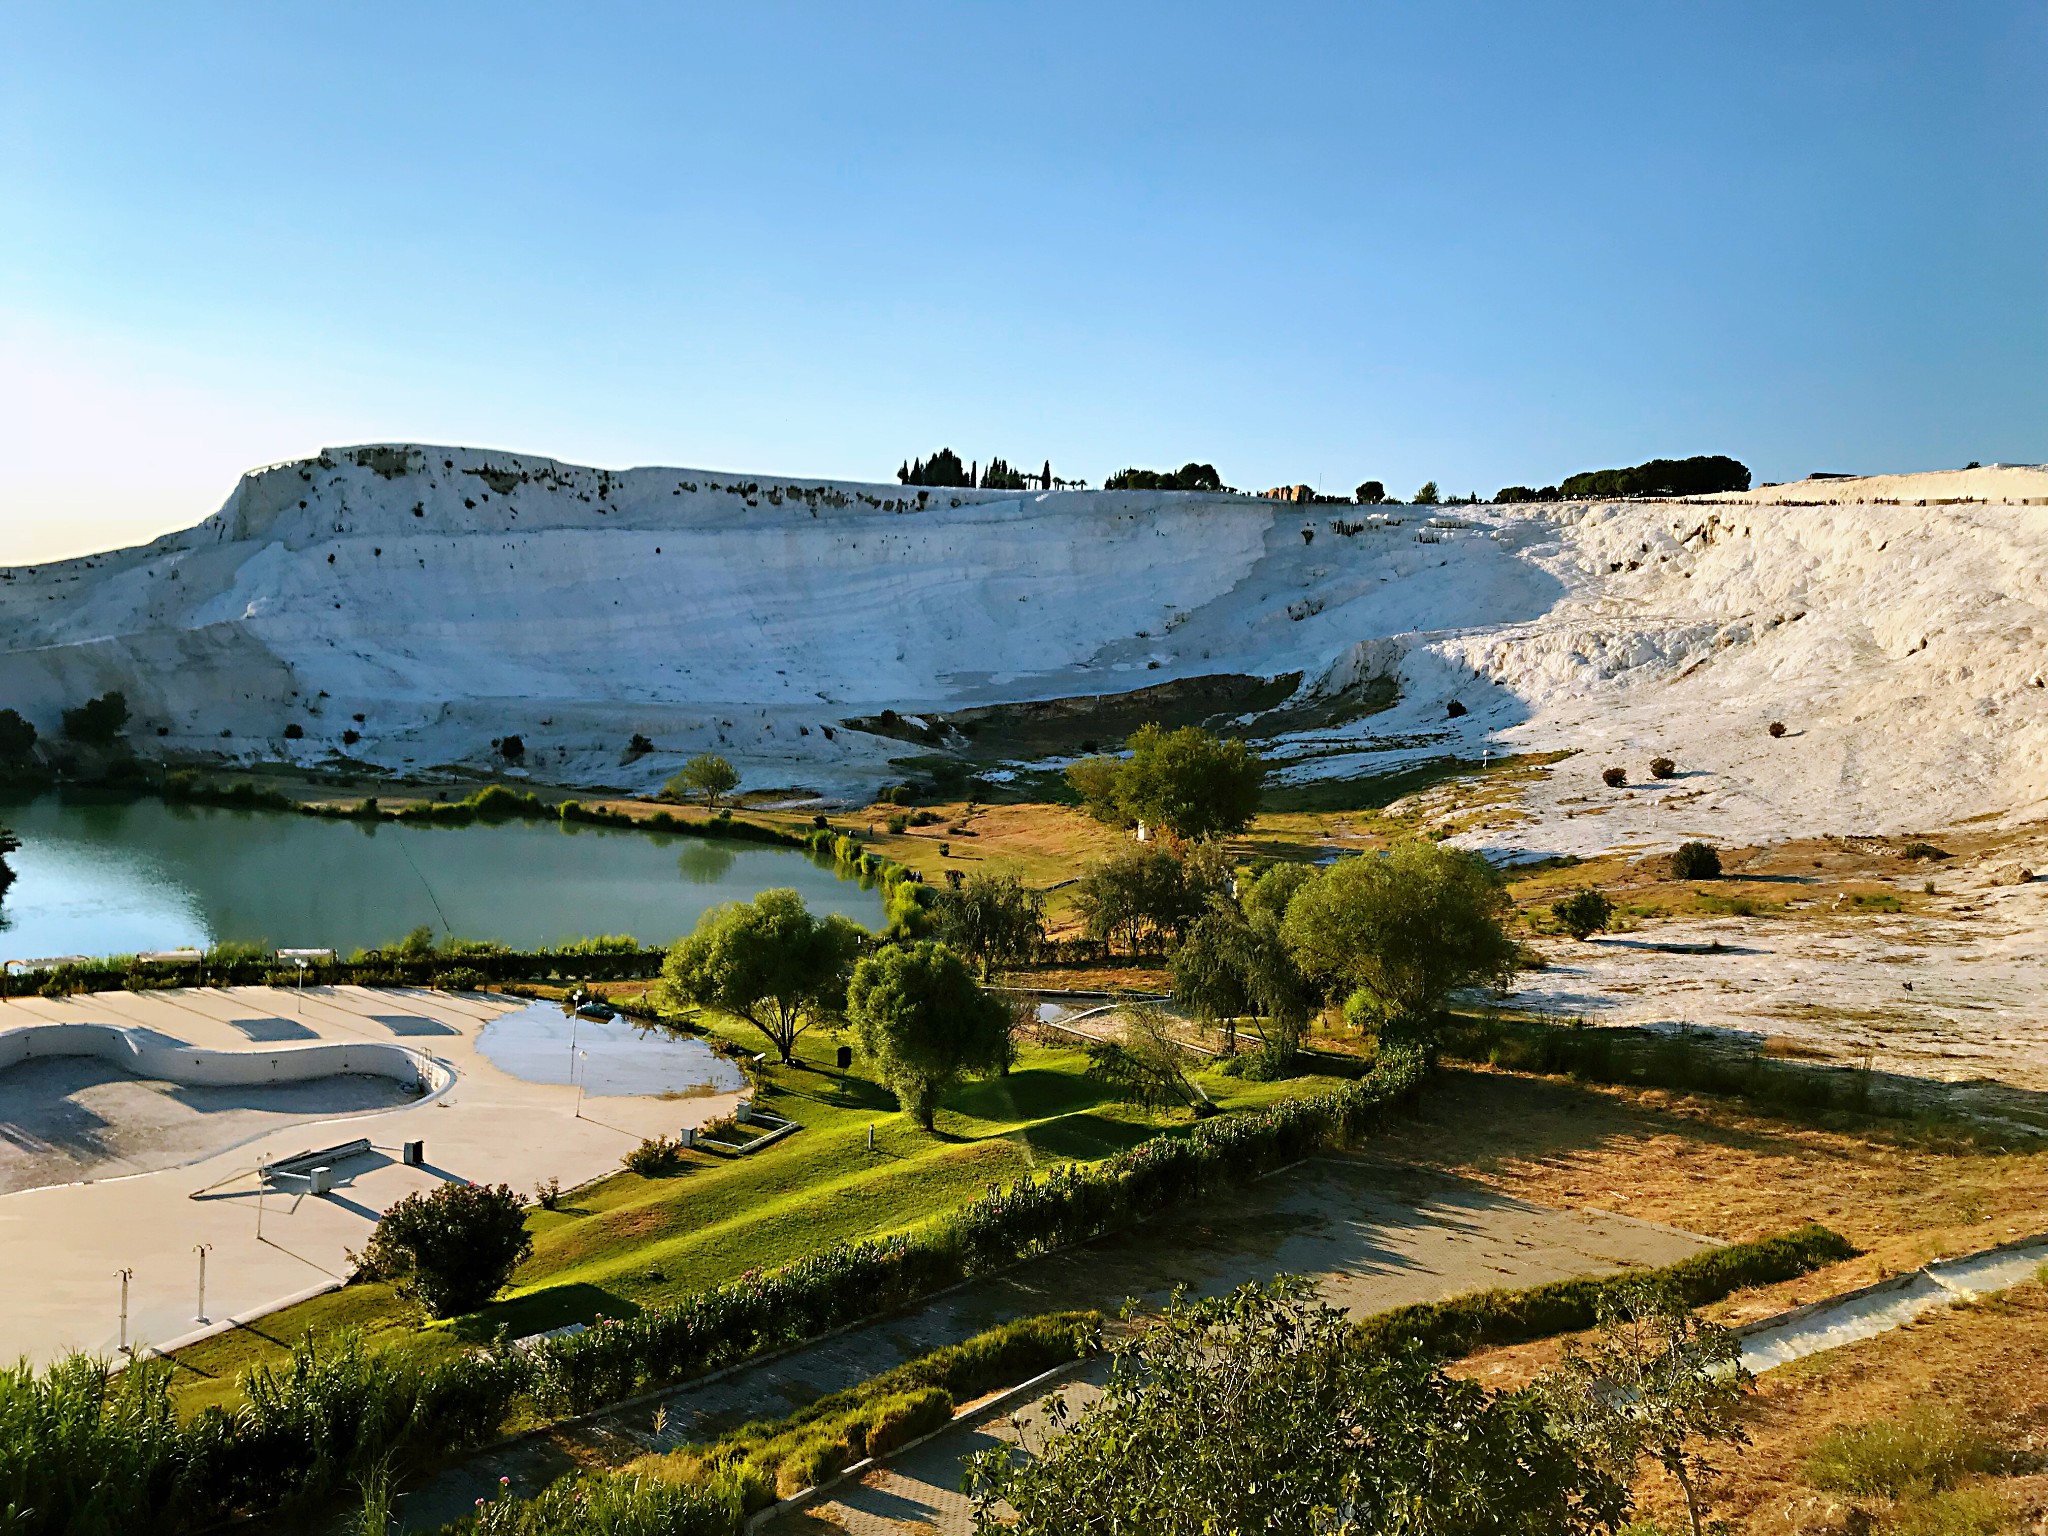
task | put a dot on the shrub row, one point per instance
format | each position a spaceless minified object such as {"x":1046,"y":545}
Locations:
{"x":1685,"y":1061}
{"x":1485,"y":1319}
{"x":471,"y":966}
{"x":624,"y":1356}
{"x":751,"y":1467}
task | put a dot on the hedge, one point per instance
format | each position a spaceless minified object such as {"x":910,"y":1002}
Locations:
{"x":1485,"y":1319}
{"x":467,"y":966}
{"x":1689,"y":1061}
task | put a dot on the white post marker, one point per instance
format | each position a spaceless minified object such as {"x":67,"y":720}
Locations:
{"x":201,"y":1249}
{"x":126,"y":1275}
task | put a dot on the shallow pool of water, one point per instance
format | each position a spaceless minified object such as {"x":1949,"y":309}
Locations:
{"x":99,"y":876}
{"x":541,"y":1044}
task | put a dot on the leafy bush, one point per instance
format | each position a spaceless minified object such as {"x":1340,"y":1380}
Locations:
{"x":451,"y":1248}
{"x":1777,"y":728}
{"x":611,"y":1504}
{"x":461,"y":978}
{"x":1662,"y":767}
{"x":1583,"y":913}
{"x":657,"y":1157}
{"x":1930,"y":1450}
{"x":1614,"y":778}
{"x":1695,"y":861}
{"x":1921,"y":849}
{"x":898,"y":825}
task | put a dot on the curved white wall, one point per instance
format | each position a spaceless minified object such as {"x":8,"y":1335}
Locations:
{"x":192,"y":1067}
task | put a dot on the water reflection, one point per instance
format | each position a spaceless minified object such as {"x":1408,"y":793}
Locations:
{"x":704,"y":863}
{"x":105,"y":876}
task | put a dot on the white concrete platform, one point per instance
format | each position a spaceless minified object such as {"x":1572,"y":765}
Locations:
{"x":63,"y":1244}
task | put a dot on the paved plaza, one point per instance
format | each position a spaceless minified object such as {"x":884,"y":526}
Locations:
{"x":118,"y":1158}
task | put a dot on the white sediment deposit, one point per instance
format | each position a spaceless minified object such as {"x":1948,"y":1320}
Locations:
{"x":435,"y":600}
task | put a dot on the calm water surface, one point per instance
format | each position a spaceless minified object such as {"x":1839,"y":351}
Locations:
{"x":99,"y":877}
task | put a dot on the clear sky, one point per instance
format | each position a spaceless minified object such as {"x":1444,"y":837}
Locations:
{"x":1482,"y":244}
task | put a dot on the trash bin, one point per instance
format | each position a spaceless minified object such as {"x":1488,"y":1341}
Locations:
{"x":845,"y":1058}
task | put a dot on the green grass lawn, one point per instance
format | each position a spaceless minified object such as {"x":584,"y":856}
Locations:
{"x":627,"y":1242}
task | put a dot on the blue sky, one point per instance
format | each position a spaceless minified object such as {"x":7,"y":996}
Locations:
{"x":1476,"y":243}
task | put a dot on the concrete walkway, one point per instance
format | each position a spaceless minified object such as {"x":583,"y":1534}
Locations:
{"x":1377,"y":1235}
{"x":130,"y":1203}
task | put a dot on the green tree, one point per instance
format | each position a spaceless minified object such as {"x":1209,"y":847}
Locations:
{"x":993,"y":920}
{"x":1187,"y":782}
{"x":768,"y":961}
{"x":1256,"y":1412}
{"x":918,"y":1015}
{"x":98,"y":722}
{"x":9,"y":843}
{"x":1406,"y":928}
{"x":1146,"y":1065}
{"x":1234,"y":965}
{"x":1659,"y":1383}
{"x":1583,"y":913}
{"x":17,"y":736}
{"x":451,"y":1248}
{"x":1427,"y":496}
{"x":1371,"y":493}
{"x":1146,"y":893}
{"x":708,"y":775}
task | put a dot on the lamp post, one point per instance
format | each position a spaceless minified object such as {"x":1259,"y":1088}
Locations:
{"x":580,"y":1076}
{"x":300,"y":962}
{"x":201,"y":1249}
{"x":126,"y":1275}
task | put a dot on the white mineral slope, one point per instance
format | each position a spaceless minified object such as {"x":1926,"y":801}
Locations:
{"x":449,"y":597}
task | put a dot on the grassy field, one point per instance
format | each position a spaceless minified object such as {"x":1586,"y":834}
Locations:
{"x":628,"y":1242}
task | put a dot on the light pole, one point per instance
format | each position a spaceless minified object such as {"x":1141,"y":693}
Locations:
{"x":126,"y":1275}
{"x":580,"y":1056}
{"x":300,"y":962}
{"x":201,"y":1249}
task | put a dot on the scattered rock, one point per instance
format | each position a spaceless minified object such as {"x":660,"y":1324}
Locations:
{"x":2011,"y":874}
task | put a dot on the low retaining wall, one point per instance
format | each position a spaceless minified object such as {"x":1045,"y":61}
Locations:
{"x":149,"y":1055}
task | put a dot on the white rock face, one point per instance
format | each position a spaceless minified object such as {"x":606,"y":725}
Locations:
{"x":453,"y":596}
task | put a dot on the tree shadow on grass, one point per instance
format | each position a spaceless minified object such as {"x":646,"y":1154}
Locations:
{"x":538,"y":1311}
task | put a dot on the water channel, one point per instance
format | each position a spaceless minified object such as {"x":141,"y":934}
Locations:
{"x":98,"y":876}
